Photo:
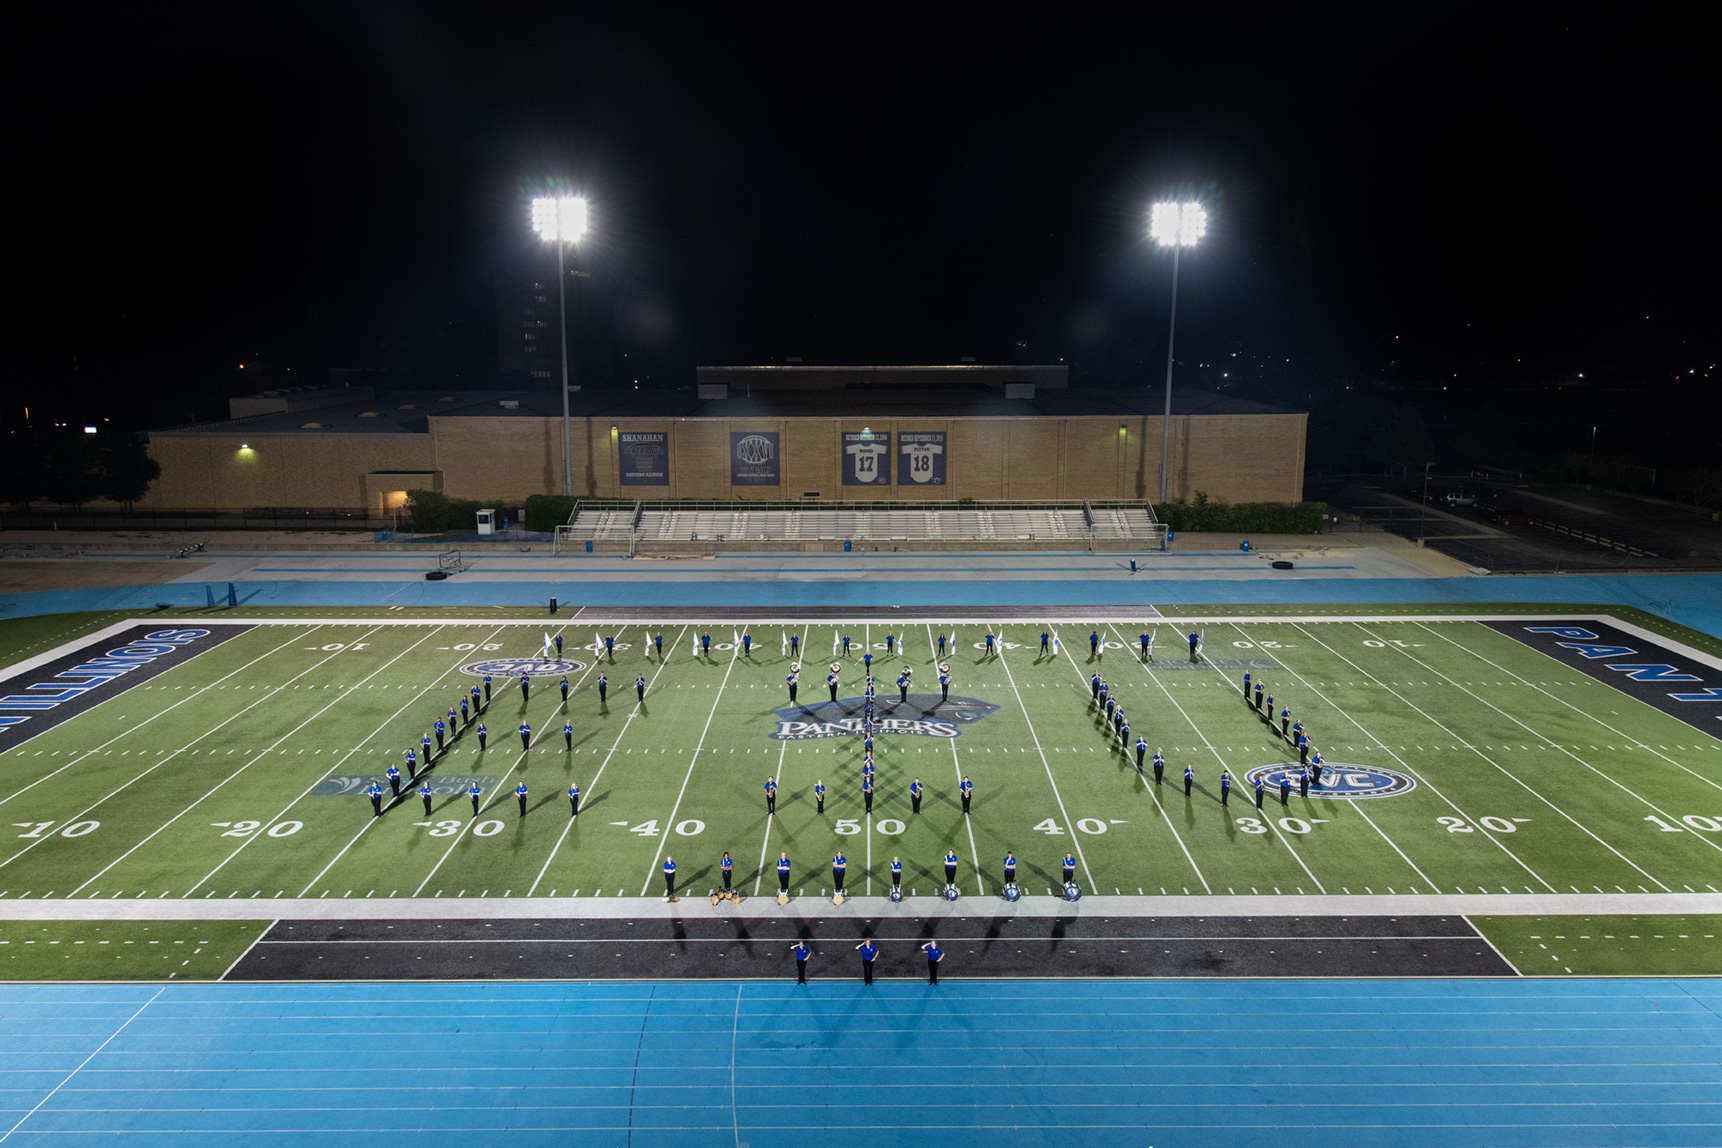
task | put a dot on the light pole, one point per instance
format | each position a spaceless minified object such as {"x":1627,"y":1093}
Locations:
{"x":562,"y":220}
{"x":1174,"y":225}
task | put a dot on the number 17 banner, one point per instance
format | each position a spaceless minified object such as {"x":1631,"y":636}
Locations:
{"x":866,"y":458}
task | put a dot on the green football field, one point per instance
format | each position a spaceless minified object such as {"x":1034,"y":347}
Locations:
{"x":240,"y":772}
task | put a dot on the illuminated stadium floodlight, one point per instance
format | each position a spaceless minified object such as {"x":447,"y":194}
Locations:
{"x":1174,"y":225}
{"x":561,"y":220}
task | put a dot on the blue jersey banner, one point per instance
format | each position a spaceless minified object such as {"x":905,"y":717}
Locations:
{"x":753,"y":459}
{"x":644,"y":458}
{"x":866,"y":458}
{"x":923,"y":457}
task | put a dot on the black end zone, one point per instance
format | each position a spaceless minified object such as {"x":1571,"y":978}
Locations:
{"x":729,"y":948}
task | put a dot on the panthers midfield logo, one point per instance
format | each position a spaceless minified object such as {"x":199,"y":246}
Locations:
{"x":923,"y":715}
{"x":531,"y":667}
{"x":1344,"y":782}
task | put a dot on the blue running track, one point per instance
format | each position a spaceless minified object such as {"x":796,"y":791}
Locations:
{"x":1108,"y":1064}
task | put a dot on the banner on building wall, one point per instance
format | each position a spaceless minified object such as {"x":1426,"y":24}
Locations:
{"x":867,"y":458}
{"x":644,"y":458}
{"x":923,"y":457}
{"x":754,"y":459}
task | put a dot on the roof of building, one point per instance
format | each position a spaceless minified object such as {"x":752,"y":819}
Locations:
{"x":409,"y":412}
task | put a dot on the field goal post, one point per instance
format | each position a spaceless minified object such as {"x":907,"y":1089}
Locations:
{"x":564,"y":540}
{"x":451,"y":561}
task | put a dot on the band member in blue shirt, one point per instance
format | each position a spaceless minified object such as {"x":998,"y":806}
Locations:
{"x":950,"y":867}
{"x":640,"y":687}
{"x":747,"y":645}
{"x":783,"y":873}
{"x":473,"y":791}
{"x":573,"y":799}
{"x":1189,"y":779}
{"x":520,"y":796}
{"x":476,"y":704}
{"x":425,"y":794}
{"x":1285,"y":786}
{"x":819,"y":796}
{"x":659,"y":642}
{"x":800,"y":952}
{"x":669,"y":878}
{"x":896,"y":872}
{"x":603,"y":688}
{"x":465,"y":711}
{"x":867,"y":791}
{"x":831,"y":681}
{"x":839,"y":866}
{"x":525,"y":736}
{"x":487,"y":688}
{"x":1094,"y":686}
{"x":941,"y":645}
{"x":1010,"y":867}
{"x":1094,"y":644}
{"x":610,"y":646}
{"x":869,"y":953}
{"x":1261,"y":785}
{"x":1045,"y":642}
{"x":944,"y":684}
{"x":482,"y":733}
{"x":903,"y":687}
{"x":1069,"y":867}
{"x":375,"y":793}
{"x":792,"y":680}
{"x":1159,"y":765}
{"x":706,"y":645}
{"x":1225,"y":784}
{"x":771,"y":795}
{"x":1141,"y":752}
{"x":564,"y":684}
{"x":559,"y":645}
{"x":425,"y":744}
{"x":967,"y":788}
{"x":525,"y":687}
{"x":991,"y":649}
{"x":934,"y":956}
{"x":728,"y":867}
{"x":915,"y":788}
{"x":1246,"y":685}
{"x":394,"y":779}
{"x":568,"y":734}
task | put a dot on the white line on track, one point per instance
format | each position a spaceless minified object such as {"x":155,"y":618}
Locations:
{"x":81,"y":1064}
{"x":1268,"y":821}
{"x":1405,"y":765}
{"x":1152,"y":794}
{"x":1636,"y":742}
{"x":267,"y":695}
{"x":1485,"y":757}
{"x":734,"y":656}
{"x":1548,"y":741}
{"x":255,"y":758}
{"x":592,"y":786}
{"x":263,"y":830}
{"x":255,"y":941}
{"x":193,"y":696}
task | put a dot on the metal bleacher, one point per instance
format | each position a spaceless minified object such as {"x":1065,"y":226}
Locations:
{"x":948,"y":523}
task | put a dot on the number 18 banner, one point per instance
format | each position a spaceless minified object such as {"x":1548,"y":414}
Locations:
{"x":923,"y":457}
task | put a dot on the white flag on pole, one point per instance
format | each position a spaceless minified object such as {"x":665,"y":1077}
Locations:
{"x":834,"y":643}
{"x":597,"y":643}
{"x":547,"y":644}
{"x":1055,"y":641}
{"x":696,"y":640}
{"x":783,"y":646}
{"x":903,"y":644}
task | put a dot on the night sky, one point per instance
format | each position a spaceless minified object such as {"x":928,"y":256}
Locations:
{"x":1488,"y":196}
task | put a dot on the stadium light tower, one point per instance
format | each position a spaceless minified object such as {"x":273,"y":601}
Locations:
{"x":561,"y":220}
{"x":1174,"y":225}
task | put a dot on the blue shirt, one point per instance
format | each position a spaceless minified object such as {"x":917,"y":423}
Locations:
{"x":1225,"y":780}
{"x":966,"y":786}
{"x":896,"y":866}
{"x":669,"y":866}
{"x":830,"y":679}
{"x":411,"y":756}
{"x":394,"y":772}
{"x":770,"y":786}
{"x":728,"y":864}
{"x":520,"y":790}
{"x":525,"y":729}
{"x":819,"y":790}
{"x":375,"y":790}
{"x":868,"y":950}
{"x":839,"y":863}
{"x":867,"y":783}
{"x":902,"y":681}
{"x":944,"y":679}
{"x":567,"y":727}
{"x":783,"y":864}
{"x":481,"y":730}
{"x":950,"y":859}
{"x":1009,"y":863}
{"x":915,"y":788}
{"x":802,"y":952}
{"x":603,"y":679}
{"x":473,"y":790}
{"x":1069,"y":863}
{"x":573,"y":791}
{"x":425,"y":790}
{"x":640,"y":682}
{"x":934,"y":953}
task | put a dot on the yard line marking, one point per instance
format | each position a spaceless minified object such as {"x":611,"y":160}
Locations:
{"x":273,"y":821}
{"x":255,"y":941}
{"x":957,"y":764}
{"x":693,"y":759}
{"x":1355,"y":805}
{"x":1504,"y":772}
{"x":254,"y":760}
{"x":1346,"y":714}
{"x":1268,"y":821}
{"x":81,"y":1064}
{"x":1167,"y":817}
{"x":1046,"y":764}
{"x":592,"y":786}
{"x":1569,"y":705}
{"x":267,"y":695}
{"x":782,"y":752}
{"x":370,"y":821}
{"x":1564,"y":750}
{"x":197,"y":693}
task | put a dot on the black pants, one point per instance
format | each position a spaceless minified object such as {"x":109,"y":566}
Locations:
{"x":522,"y":797}
{"x":727,"y":873}
{"x":486,"y":691}
{"x":866,"y":972}
{"x":821,"y":802}
{"x":395,"y":785}
{"x":568,"y":738}
{"x":833,"y":693}
{"x":525,"y":692}
{"x":944,"y":693}
{"x":932,"y":971}
{"x":771,"y":803}
{"x":1158,"y":770}
{"x":837,"y":879}
{"x":573,"y":807}
{"x":427,"y":806}
{"x":950,"y":874}
{"x":1285,"y":792}
{"x":1258,"y":699}
{"x":1315,"y":774}
{"x":915,"y":803}
{"x":800,"y":971}
{"x":465,"y":714}
{"x":413,"y":770}
{"x":475,"y":805}
{"x":669,"y":884}
{"x":1044,"y":647}
{"x":1258,"y":799}
{"x":1140,"y":754}
{"x":377,"y":805}
{"x":1188,"y":781}
{"x":525,"y":741}
{"x":1094,"y":649}
{"x":783,"y":882}
{"x":603,"y":693}
{"x":1303,"y":787}
{"x":1303,"y":754}
{"x":481,"y":738}
{"x":896,"y":880}
{"x":1094,"y":689}
{"x":1285,"y":728}
{"x":564,"y":693}
{"x":439,"y":736}
{"x":1225,"y":792}
{"x":792,"y":693}
{"x":903,"y":693}
{"x":641,"y":690}
{"x":868,"y":798}
{"x":965,"y":803}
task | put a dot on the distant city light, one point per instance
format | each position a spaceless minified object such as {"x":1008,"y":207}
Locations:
{"x":560,"y":219}
{"x":1177,"y":224}
{"x":89,"y":430}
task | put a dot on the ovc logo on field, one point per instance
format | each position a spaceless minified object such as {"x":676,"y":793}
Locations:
{"x":1343,"y":782}
{"x":442,"y":785}
{"x":923,"y":715}
{"x":531,"y":667}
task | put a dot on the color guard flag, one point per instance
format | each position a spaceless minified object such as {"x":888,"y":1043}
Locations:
{"x":548,"y":642}
{"x":597,"y":643}
{"x":783,"y":646}
{"x":1055,"y":641}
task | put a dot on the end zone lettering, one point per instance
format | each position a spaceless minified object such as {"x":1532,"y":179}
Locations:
{"x":70,"y":685}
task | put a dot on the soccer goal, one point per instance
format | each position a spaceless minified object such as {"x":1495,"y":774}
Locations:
{"x":450,"y":561}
